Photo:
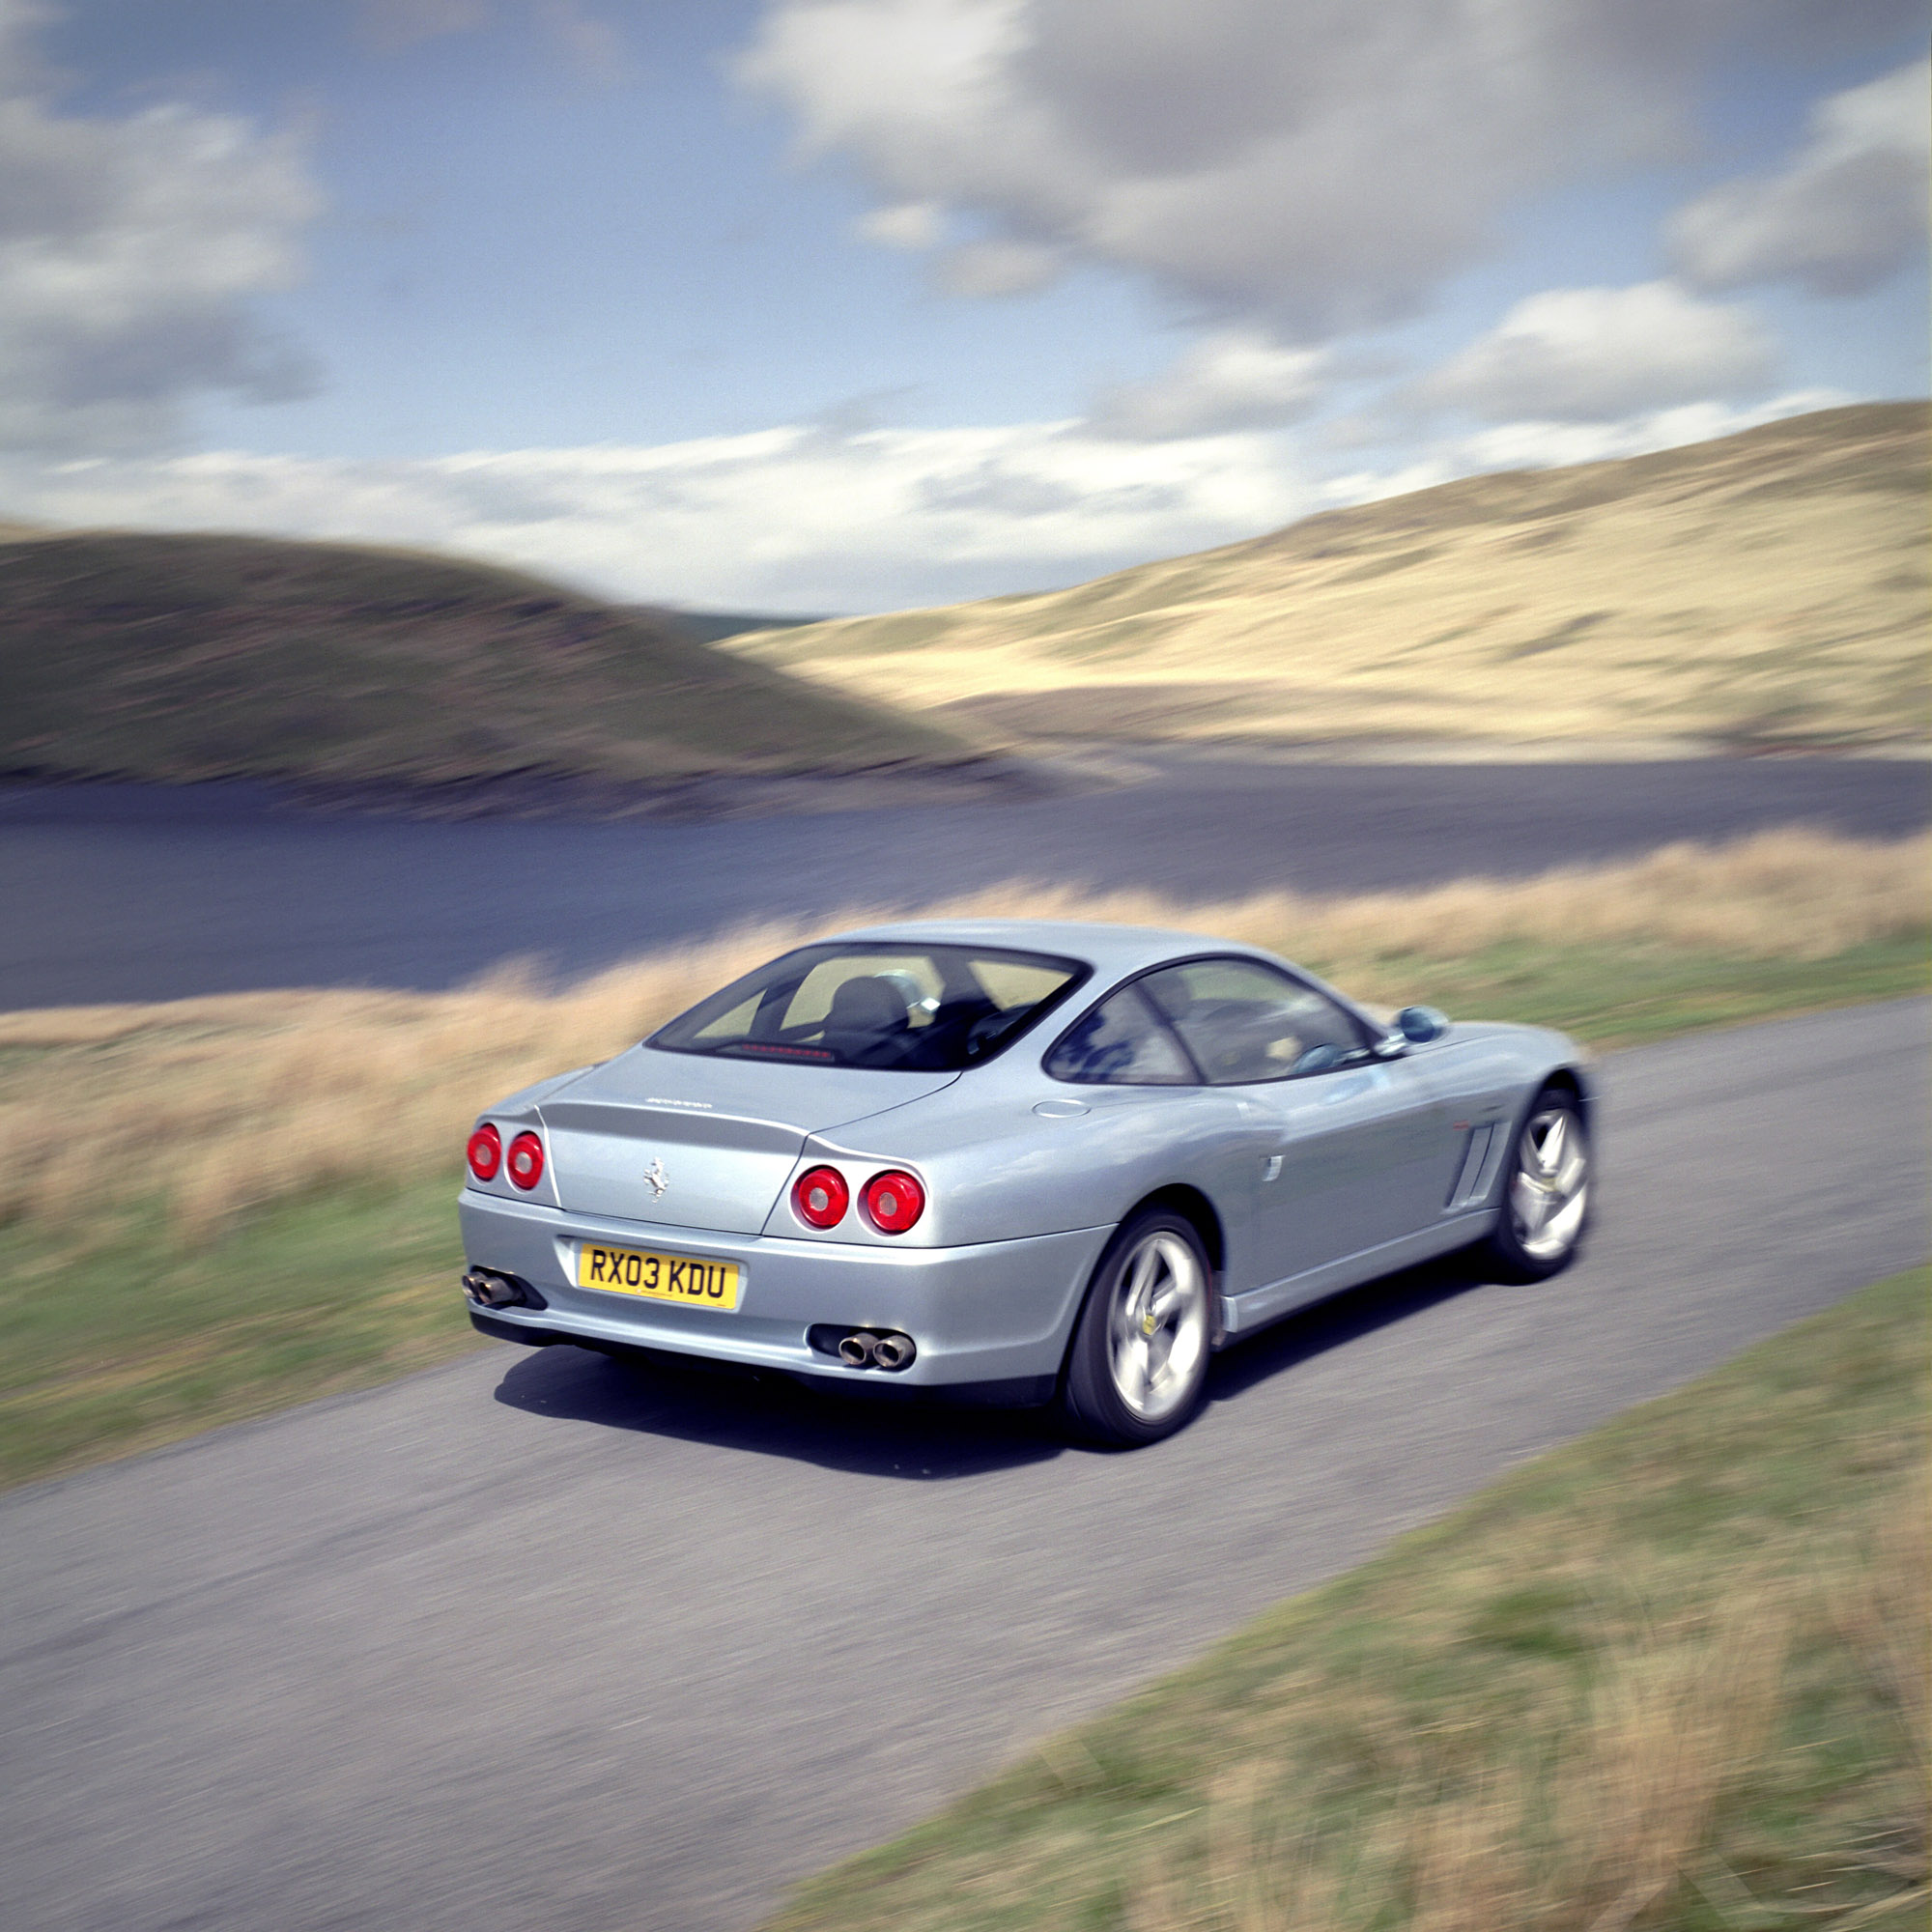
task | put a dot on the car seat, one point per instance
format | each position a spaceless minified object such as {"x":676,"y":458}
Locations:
{"x":871,"y":1007}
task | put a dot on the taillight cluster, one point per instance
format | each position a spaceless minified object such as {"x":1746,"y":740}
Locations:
{"x":525,"y":1164}
{"x":821,"y":1197}
{"x":525,"y":1161}
{"x":891,"y":1200}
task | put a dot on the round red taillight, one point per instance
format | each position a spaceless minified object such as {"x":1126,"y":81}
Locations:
{"x":893,"y":1201}
{"x":486,"y":1152}
{"x":820,"y":1197}
{"x":526,"y":1161}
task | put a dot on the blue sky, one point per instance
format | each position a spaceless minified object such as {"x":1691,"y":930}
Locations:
{"x":845,"y":304}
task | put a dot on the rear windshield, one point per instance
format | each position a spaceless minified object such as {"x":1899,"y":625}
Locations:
{"x":919,"y":1008}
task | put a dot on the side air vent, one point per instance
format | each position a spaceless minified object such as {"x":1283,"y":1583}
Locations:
{"x":1479,"y":1165}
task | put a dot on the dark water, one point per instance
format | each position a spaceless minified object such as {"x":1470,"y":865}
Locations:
{"x":138,"y":892}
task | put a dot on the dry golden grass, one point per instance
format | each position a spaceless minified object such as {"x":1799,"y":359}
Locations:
{"x":1764,"y":589}
{"x":1670,"y":1677}
{"x":1882,"y":1611}
{"x":218,"y":1105}
{"x":1571,"y":1819}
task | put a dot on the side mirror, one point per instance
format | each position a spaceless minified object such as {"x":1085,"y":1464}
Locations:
{"x":1419,"y":1025}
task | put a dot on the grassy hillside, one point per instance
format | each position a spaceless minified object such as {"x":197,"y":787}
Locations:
{"x":710,"y":627}
{"x":192,"y":657}
{"x":1765,"y":590}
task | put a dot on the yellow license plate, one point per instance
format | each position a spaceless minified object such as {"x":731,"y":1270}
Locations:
{"x":657,"y":1277}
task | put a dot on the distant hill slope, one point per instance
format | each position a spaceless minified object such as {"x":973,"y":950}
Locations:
{"x":710,"y":627}
{"x":1765,"y":590}
{"x":190,"y":657}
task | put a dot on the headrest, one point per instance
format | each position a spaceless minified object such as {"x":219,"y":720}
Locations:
{"x":867,"y":1006}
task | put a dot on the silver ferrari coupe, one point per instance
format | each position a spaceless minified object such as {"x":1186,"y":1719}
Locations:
{"x":1019,"y":1160}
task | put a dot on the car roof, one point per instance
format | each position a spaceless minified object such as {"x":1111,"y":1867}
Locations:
{"x":1112,"y":950}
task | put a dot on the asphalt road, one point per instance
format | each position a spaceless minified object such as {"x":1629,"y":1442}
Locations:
{"x":142,"y":893}
{"x":533,"y":1641}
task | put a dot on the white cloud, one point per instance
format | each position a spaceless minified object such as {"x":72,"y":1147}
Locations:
{"x":810,"y":519}
{"x":1600,"y":355}
{"x":909,"y":224}
{"x":1235,"y":380}
{"x":798,"y":519}
{"x":1849,"y":211}
{"x":1313,"y":164}
{"x":129,"y":250}
{"x":807,"y":518}
{"x":1548,"y":445}
{"x":996,"y":268}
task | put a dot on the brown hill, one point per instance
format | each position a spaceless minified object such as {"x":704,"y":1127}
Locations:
{"x":191,"y":657}
{"x":1767,"y":590}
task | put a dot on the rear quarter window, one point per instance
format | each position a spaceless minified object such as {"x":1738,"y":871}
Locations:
{"x":1123,"y":1042}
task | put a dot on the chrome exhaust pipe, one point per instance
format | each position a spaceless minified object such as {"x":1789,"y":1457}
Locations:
{"x":856,"y":1349}
{"x":893,"y":1352}
{"x":492,"y":1291}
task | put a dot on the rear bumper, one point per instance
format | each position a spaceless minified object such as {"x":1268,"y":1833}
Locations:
{"x":994,"y":1313}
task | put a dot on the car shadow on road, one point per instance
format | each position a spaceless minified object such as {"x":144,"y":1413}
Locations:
{"x":864,"y":1433}
{"x":1341,"y":1320}
{"x":896,"y":1434}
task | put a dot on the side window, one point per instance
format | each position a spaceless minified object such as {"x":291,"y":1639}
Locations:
{"x":1120,"y":1043}
{"x":1245,"y":1022}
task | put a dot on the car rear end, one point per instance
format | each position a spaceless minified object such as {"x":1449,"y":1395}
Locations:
{"x":747,"y":1206}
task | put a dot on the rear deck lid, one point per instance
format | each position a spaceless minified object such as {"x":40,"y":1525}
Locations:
{"x":693,"y":1142}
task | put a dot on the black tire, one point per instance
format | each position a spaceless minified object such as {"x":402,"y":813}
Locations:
{"x":1136,"y":1366}
{"x":1545,"y":1207}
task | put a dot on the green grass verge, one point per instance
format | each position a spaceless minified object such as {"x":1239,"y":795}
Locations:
{"x":1623,"y":996}
{"x":1670,"y":1675}
{"x":126,"y":1340}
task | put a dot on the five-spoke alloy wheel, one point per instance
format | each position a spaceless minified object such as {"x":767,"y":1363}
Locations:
{"x":1546,"y":1203}
{"x":1138,"y":1365}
